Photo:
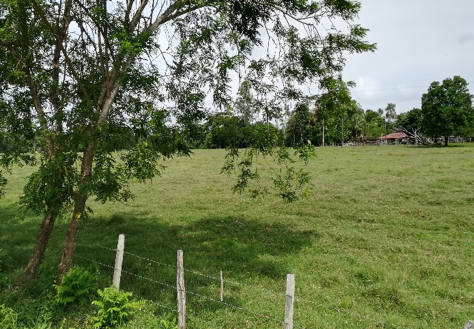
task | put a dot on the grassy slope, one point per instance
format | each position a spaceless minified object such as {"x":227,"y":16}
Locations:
{"x":385,"y":233}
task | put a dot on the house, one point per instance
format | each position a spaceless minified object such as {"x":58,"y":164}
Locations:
{"x":393,"y":139}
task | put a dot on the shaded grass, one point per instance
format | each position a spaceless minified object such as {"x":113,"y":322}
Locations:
{"x":386,"y":233}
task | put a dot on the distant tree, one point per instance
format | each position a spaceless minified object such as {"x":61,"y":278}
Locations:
{"x":335,"y":102}
{"x":296,"y":126}
{"x":447,"y":109}
{"x":410,"y":121}
{"x":357,"y":126}
{"x":244,"y":103}
{"x":222,"y":130}
{"x":390,"y":116}
{"x":375,"y":124}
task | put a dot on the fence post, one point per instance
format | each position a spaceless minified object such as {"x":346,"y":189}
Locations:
{"x":181,"y":292}
{"x":118,"y":261}
{"x":290,"y":297}
{"x":222,"y":287}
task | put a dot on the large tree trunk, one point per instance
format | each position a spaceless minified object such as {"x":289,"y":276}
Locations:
{"x":41,"y":243}
{"x":69,"y":246}
{"x":80,"y":199}
{"x":446,"y":140}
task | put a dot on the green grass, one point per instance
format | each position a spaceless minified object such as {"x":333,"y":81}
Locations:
{"x":385,"y":233}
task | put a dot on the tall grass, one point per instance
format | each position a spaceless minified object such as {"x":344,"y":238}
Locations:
{"x":384,"y":239}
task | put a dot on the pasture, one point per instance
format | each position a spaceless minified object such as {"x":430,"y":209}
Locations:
{"x":383,"y":239}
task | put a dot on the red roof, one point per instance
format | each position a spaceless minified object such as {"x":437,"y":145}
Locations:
{"x":394,"y":136}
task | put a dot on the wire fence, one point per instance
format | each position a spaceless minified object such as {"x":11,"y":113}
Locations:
{"x":268,"y":318}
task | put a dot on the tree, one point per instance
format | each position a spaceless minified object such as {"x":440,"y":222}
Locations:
{"x":296,"y":126}
{"x":336,"y":102}
{"x":447,"y":108}
{"x":375,"y":124}
{"x":72,"y":71}
{"x":390,"y":116}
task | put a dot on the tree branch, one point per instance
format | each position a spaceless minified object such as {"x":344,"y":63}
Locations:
{"x":40,"y":12}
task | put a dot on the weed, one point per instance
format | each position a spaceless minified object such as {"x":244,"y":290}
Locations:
{"x":115,"y":308}
{"x":76,"y":286}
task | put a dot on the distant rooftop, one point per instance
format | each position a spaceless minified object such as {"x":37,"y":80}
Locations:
{"x":394,"y":136}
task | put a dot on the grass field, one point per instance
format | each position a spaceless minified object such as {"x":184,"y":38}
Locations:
{"x":384,"y":239}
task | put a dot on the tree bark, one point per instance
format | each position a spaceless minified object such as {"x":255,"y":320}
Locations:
{"x":72,"y":232}
{"x":41,"y":243}
{"x":446,"y":139}
{"x":80,"y":199}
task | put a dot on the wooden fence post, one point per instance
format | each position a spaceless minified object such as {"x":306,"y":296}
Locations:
{"x":290,"y":297}
{"x":118,"y":261}
{"x":181,"y":292}
{"x":222,"y":287}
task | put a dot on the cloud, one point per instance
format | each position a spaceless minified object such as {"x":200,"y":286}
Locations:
{"x":367,"y":89}
{"x":466,"y":38}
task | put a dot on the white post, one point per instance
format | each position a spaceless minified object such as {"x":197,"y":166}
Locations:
{"x":222,"y":287}
{"x":181,"y":292}
{"x":118,"y":261}
{"x":290,"y":297}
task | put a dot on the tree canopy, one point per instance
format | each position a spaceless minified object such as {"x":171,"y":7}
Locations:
{"x":78,"y":74}
{"x":447,"y":108}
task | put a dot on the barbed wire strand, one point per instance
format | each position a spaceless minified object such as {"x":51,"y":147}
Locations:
{"x":235,"y":307}
{"x":333,"y":308}
{"x":203,"y":296}
{"x":189,"y":314}
{"x":210,"y":276}
{"x":94,"y":261}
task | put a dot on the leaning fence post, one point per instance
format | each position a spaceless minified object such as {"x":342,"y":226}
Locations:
{"x":290,"y":297}
{"x":118,"y":261}
{"x":181,"y":292}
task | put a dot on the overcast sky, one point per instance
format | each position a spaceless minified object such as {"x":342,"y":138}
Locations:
{"x":418,"y":41}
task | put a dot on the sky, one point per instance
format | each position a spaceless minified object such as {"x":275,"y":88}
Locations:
{"x":418,"y":42}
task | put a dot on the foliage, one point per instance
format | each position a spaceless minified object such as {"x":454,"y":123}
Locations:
{"x":8,"y":318}
{"x":115,"y":308}
{"x":375,"y":125}
{"x":410,"y":121}
{"x":447,"y":109}
{"x":80,"y":74}
{"x":75,"y":288}
{"x":296,"y":127}
{"x":3,"y":260}
{"x":290,"y":183}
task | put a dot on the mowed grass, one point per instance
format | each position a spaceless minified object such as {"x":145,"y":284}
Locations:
{"x":384,"y":239}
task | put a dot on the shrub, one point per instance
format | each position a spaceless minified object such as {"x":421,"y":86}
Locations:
{"x":8,"y":318}
{"x":115,"y":308}
{"x":75,"y":287}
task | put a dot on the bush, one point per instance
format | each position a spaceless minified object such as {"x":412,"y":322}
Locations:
{"x":115,"y":308}
{"x":75,"y":287}
{"x":8,"y":318}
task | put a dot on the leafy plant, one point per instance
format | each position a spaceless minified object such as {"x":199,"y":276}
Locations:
{"x":169,"y":321}
{"x":8,"y":318}
{"x":115,"y":308}
{"x":75,"y":287}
